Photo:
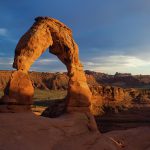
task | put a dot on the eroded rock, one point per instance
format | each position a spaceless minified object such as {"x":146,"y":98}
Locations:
{"x":18,"y":93}
{"x":49,"y":33}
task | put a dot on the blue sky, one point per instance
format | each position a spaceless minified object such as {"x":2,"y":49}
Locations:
{"x":113,"y":35}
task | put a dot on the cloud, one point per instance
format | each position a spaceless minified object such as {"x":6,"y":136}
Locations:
{"x":7,"y":37}
{"x":117,"y":63}
{"x":3,"y":32}
{"x":46,"y":61}
{"x":2,"y":54}
{"x":6,"y":63}
{"x":46,"y":69}
{"x":121,"y":60}
{"x":48,"y":65}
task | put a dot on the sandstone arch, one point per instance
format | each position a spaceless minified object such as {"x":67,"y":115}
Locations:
{"x":46,"y":33}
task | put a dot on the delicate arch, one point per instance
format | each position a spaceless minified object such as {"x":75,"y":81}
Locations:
{"x":48,"y":33}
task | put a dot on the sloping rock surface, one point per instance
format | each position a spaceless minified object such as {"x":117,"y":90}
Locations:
{"x":25,"y":131}
{"x":132,"y":139}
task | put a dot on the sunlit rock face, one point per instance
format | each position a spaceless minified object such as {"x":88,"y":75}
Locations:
{"x":48,"y":33}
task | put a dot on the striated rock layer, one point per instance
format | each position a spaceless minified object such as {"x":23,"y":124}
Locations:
{"x":48,"y":33}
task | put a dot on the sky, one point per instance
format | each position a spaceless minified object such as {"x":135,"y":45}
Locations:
{"x":112,"y":35}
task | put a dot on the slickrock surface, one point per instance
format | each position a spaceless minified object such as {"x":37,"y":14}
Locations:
{"x":131,"y":139}
{"x":74,"y":131}
{"x":25,"y":131}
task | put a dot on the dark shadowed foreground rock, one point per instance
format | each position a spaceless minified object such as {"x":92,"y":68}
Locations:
{"x":131,"y":139}
{"x":74,"y":131}
{"x":55,"y":109}
{"x":25,"y":131}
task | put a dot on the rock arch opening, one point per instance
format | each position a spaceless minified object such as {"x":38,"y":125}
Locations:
{"x":46,"y":33}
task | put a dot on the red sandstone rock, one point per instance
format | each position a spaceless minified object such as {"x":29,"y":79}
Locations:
{"x":48,"y":32}
{"x":21,"y":88}
{"x":72,"y":131}
{"x":18,"y":94}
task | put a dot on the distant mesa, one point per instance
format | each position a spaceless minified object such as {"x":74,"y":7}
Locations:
{"x":117,"y":74}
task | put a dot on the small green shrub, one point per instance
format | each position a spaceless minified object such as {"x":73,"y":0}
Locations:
{"x":49,"y":94}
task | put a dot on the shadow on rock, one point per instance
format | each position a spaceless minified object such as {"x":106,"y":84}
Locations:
{"x":55,"y":107}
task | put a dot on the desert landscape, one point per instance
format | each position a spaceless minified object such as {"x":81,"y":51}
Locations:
{"x":118,"y":108}
{"x":54,"y":96}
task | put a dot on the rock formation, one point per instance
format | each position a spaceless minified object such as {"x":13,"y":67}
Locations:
{"x":71,"y":131}
{"x":47,"y":33}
